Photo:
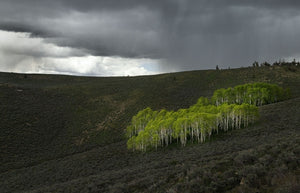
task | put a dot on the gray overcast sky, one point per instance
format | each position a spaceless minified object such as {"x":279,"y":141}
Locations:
{"x":119,"y":37}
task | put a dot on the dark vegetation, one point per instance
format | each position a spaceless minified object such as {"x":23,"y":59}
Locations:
{"x":67,"y":134}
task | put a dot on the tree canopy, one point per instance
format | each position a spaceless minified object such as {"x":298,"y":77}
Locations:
{"x":231,"y":108}
{"x":255,"y":94}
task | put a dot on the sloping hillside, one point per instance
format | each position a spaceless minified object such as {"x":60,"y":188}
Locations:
{"x":67,"y":133}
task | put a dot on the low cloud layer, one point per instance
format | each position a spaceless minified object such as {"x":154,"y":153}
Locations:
{"x":19,"y":52}
{"x":171,"y":35}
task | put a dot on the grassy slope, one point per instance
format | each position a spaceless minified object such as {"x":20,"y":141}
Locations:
{"x":45,"y":126}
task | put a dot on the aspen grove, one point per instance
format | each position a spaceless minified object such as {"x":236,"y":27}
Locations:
{"x":254,"y":94}
{"x":231,"y":108}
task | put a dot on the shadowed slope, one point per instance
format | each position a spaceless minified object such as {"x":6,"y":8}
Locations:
{"x":71,"y":129}
{"x":259,"y":157}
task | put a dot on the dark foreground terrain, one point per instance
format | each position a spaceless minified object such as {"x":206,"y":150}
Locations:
{"x":66,"y":134}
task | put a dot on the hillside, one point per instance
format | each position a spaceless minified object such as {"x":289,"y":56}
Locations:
{"x":67,"y":133}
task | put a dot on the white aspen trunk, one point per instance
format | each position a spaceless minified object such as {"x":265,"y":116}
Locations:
{"x":166,"y":139}
{"x":170,"y":135}
{"x":237,"y":121}
{"x":185,"y":134}
{"x":217,"y":127}
{"x":192,"y":136}
{"x":240,"y":120}
{"x":135,"y":130}
{"x":227,"y":122}
{"x":232,"y":121}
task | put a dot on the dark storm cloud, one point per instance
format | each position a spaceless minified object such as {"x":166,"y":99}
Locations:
{"x":188,"y":34}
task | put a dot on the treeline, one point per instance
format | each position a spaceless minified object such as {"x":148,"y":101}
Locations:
{"x":254,"y":94}
{"x":281,"y":62}
{"x":232,"y":108}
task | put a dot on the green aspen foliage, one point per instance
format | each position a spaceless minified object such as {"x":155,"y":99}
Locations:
{"x":228,"y":109}
{"x":254,"y":94}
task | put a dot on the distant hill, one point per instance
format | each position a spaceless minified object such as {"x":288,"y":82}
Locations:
{"x":67,"y":133}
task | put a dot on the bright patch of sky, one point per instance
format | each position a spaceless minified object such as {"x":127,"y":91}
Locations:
{"x":20,"y":52}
